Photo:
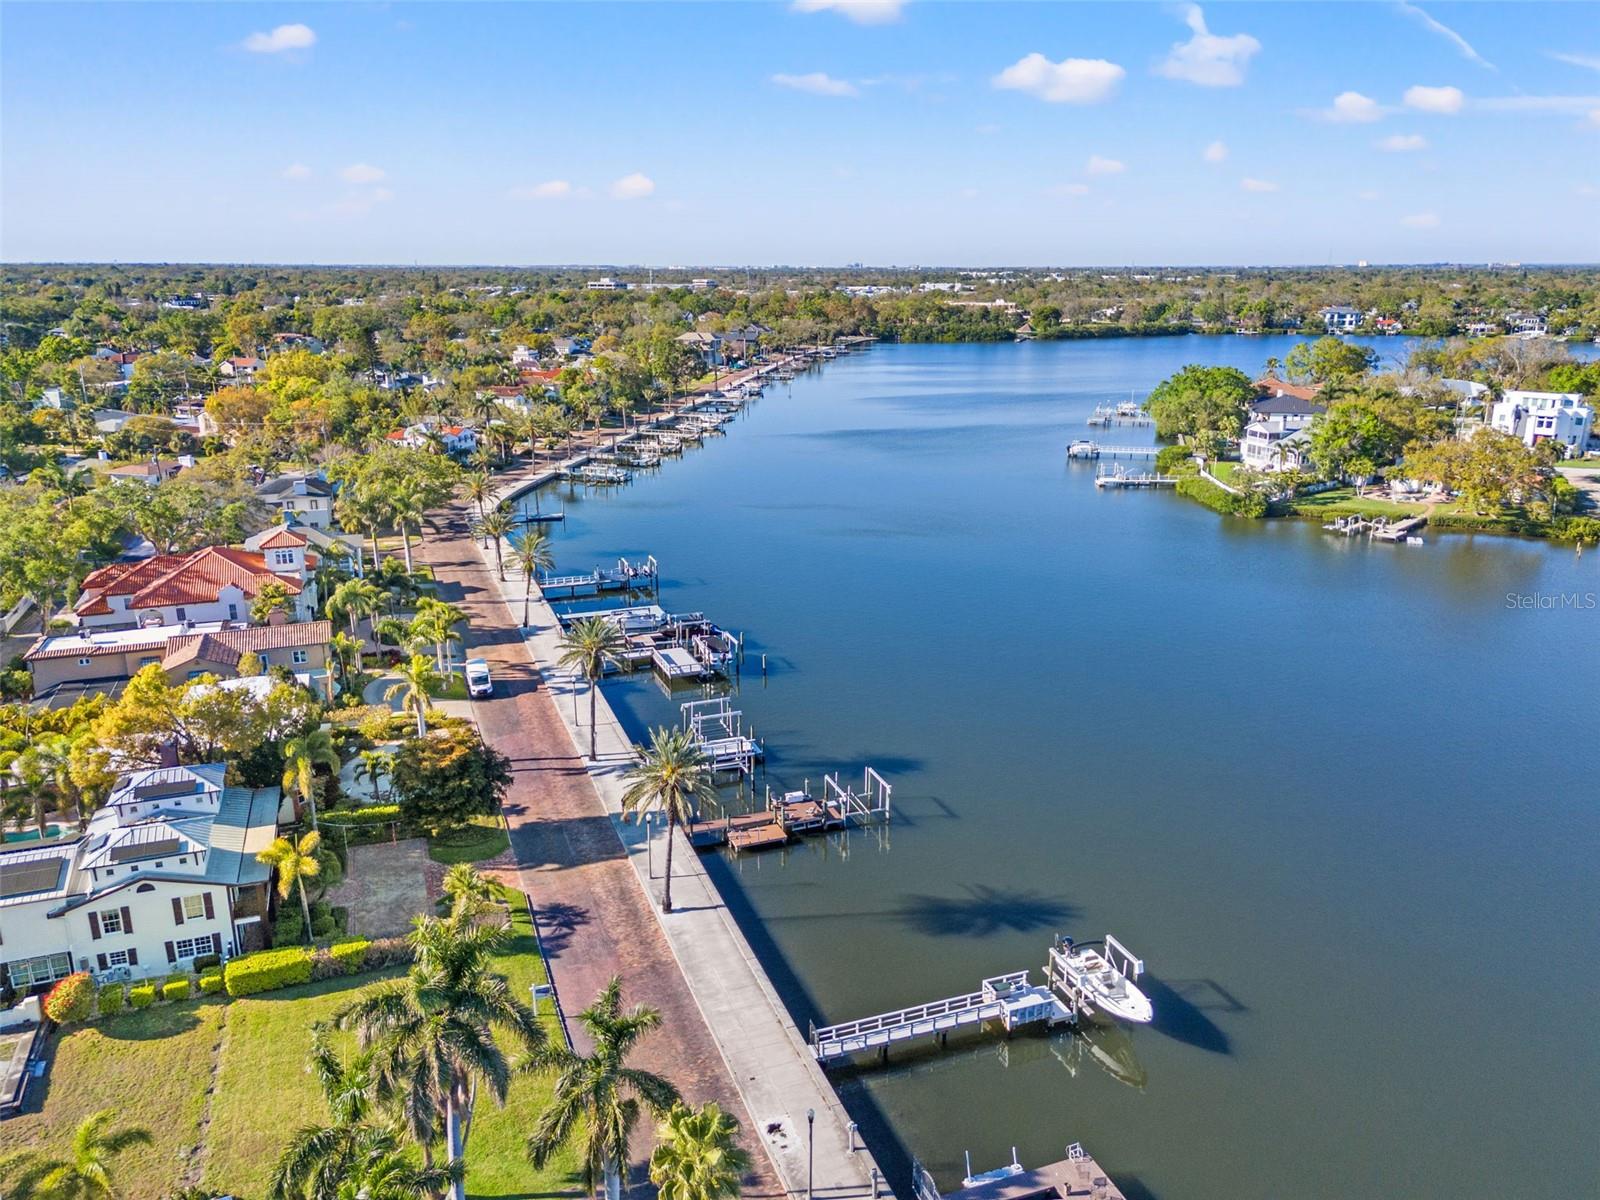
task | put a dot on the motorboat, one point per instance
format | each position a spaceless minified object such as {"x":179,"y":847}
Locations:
{"x":1083,"y":448}
{"x":1100,"y":976}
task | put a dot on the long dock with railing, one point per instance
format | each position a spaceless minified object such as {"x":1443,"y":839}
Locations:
{"x":625,"y":576}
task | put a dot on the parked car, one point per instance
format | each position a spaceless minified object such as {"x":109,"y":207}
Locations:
{"x":479,"y":681}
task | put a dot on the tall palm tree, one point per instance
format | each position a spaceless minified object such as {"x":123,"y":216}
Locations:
{"x":467,"y":889}
{"x":673,"y":777}
{"x":374,"y":765}
{"x":587,"y":647}
{"x":531,"y":554}
{"x":86,"y":1175}
{"x":360,"y":1162}
{"x":598,"y":1096}
{"x":496,"y":525}
{"x":416,"y":686}
{"x":405,"y":510}
{"x":354,"y":599}
{"x":478,"y":486}
{"x":301,"y":757}
{"x":436,"y":622}
{"x":346,"y":654}
{"x":432,"y":1033}
{"x":295,"y":862}
{"x":697,"y":1154}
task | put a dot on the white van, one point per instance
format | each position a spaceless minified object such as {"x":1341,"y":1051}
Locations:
{"x":478,"y":681}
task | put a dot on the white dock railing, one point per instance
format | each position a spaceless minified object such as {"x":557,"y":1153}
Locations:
{"x":920,"y":1020}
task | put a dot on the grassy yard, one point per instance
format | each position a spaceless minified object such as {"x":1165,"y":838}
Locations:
{"x":159,"y":1062}
{"x":1343,"y":502}
{"x":152,"y":1066}
{"x":481,"y":838}
{"x":1224,"y":471}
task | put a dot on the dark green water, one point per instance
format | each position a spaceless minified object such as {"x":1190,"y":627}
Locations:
{"x":1340,"y":797}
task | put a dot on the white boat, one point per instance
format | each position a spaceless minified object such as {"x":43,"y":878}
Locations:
{"x":1101,"y":975}
{"x":1083,"y":448}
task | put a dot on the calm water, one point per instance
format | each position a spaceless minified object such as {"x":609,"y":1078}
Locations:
{"x":1340,"y":797}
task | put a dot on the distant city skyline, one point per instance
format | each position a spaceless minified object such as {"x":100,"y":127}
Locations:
{"x":813,"y":133}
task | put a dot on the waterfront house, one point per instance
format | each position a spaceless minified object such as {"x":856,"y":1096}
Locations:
{"x":708,"y":346}
{"x":306,"y":499}
{"x":68,"y":665}
{"x":455,"y":439}
{"x":1270,"y":387}
{"x":1341,"y":318}
{"x":1534,"y":417}
{"x":214,"y":583}
{"x":1277,"y":436}
{"x":165,"y":874}
{"x":1527,"y":324}
{"x":1482,"y":329}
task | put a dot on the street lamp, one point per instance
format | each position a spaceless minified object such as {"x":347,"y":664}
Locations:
{"x":811,"y":1148}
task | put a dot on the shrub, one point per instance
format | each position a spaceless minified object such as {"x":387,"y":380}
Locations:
{"x":211,"y":983}
{"x":142,"y":995}
{"x":72,"y":999}
{"x":112,"y":998}
{"x":205,"y":962}
{"x":266,"y":970}
{"x":175,"y":989}
{"x":324,"y":927}
{"x":371,"y":814}
{"x":1170,"y":458}
{"x":350,"y":955}
{"x":289,"y":928}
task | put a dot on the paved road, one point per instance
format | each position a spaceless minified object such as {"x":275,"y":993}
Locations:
{"x":594,"y":915}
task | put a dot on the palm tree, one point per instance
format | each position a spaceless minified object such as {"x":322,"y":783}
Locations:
{"x":417,"y":684}
{"x":436,"y":622}
{"x":467,"y":889}
{"x":346,"y":654}
{"x":497,"y":524}
{"x":432,"y":1033}
{"x":697,"y":1154}
{"x":599,"y":1093}
{"x":295,"y":863}
{"x":478,"y":487}
{"x":360,"y":1162}
{"x":531,"y":554}
{"x":586,"y":647}
{"x":354,"y":599}
{"x":374,"y":765}
{"x":671,"y":777}
{"x":301,"y":757}
{"x":405,"y":510}
{"x":87,"y":1175}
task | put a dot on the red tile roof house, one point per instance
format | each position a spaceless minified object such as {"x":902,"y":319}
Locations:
{"x":215,"y":583}
{"x":239,"y":368}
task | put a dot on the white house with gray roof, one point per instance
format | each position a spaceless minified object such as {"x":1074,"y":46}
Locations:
{"x":165,"y":873}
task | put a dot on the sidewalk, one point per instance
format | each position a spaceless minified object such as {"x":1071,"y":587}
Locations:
{"x":762,"y":1054}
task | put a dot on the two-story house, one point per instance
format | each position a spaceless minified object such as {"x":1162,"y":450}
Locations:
{"x":214,"y":583}
{"x":1535,"y":417}
{"x":165,"y":873}
{"x":1341,"y":318}
{"x":304,"y":499}
{"x":1276,"y":438}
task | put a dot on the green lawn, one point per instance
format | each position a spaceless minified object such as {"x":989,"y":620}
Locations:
{"x":159,"y":1061}
{"x":481,"y":838}
{"x":152,"y":1066}
{"x":1224,"y":471}
{"x":1343,"y":502}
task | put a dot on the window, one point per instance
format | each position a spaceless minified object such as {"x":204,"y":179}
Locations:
{"x":301,"y":657}
{"x":47,"y":968}
{"x":183,"y":614}
{"x":147,"y":661}
{"x":192,"y":947}
{"x":283,"y":558}
{"x":117,"y":958}
{"x":111,"y":920}
{"x":233,"y":612}
{"x":84,"y":662}
{"x":194,"y":907}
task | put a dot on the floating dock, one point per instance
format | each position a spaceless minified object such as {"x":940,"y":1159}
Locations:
{"x":1121,"y":478}
{"x":1381,"y":528}
{"x":790,"y":815}
{"x":1127,"y":413}
{"x":718,"y":730}
{"x":1082,"y":448}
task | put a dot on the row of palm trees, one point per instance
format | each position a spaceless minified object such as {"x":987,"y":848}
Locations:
{"x":430,"y":1043}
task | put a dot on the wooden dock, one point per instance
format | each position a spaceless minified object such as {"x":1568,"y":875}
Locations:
{"x":1382,"y":528}
{"x":1120,"y":478}
{"x":798,"y":813}
{"x":624,"y":577}
{"x":1076,"y":1175}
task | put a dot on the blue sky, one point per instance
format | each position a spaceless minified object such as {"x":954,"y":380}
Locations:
{"x":813,"y":132}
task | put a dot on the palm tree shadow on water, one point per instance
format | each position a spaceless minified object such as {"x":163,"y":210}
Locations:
{"x":983,"y":912}
{"x":1181,"y":1009}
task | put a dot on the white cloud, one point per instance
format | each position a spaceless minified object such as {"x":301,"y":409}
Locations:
{"x":1402,"y":143}
{"x":1257,"y":185}
{"x":1104,"y":166}
{"x":1209,"y":59}
{"x":817,"y":83}
{"x":284,"y":37}
{"x":362,"y":173}
{"x":550,"y":189}
{"x":1216,"y":152}
{"x":1591,"y":61}
{"x":1422,"y":220}
{"x":862,"y":12}
{"x":297,"y":171}
{"x":1352,"y":108}
{"x":1071,"y":81}
{"x":1449,"y":35}
{"x":1070,"y":189}
{"x":633,"y":187}
{"x":1434,"y":99}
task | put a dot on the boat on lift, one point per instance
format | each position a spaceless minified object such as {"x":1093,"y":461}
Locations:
{"x":1083,"y":448}
{"x":1101,"y":976}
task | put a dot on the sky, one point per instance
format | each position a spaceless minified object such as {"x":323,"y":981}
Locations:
{"x":811,"y":132}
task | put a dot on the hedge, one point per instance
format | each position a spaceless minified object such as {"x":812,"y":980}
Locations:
{"x":72,"y":999}
{"x":142,"y":995}
{"x":112,"y":998}
{"x":350,"y":955}
{"x":211,"y":983}
{"x":267,"y":969}
{"x":175,"y":989}
{"x":372,"y":814}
